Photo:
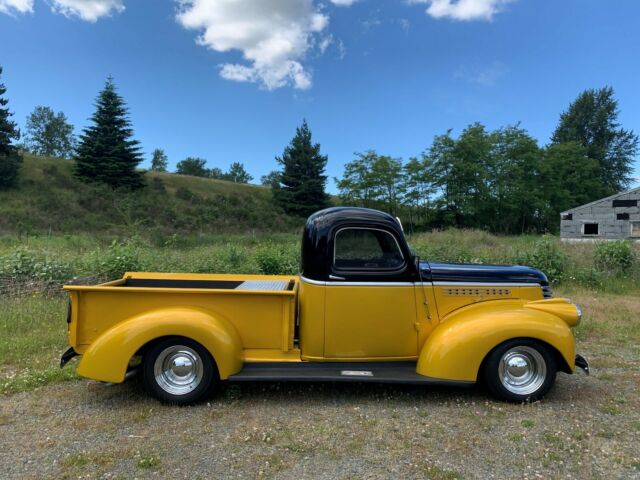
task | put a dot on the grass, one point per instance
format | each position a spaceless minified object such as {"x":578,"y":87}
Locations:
{"x":49,"y":199}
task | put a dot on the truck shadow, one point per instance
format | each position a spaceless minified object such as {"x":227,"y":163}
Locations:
{"x":332,"y":393}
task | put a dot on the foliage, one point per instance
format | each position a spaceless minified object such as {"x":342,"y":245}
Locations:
{"x":51,"y":199}
{"x":614,"y":257}
{"x":237,"y":174}
{"x":49,"y":134}
{"x":302,"y":181}
{"x":197,"y":167}
{"x":159,"y":160}
{"x":271,"y":179}
{"x":10,"y":160}
{"x":545,"y":255}
{"x":192,"y":166}
{"x":107,"y":152}
{"x":372,"y":180}
{"x":117,"y":259}
{"x":277,"y":259}
{"x":591,"y":121}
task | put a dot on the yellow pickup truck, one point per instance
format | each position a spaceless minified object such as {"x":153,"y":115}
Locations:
{"x":364,"y":308}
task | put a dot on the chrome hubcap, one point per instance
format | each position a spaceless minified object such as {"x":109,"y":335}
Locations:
{"x":522,"y":370}
{"x":178,"y":370}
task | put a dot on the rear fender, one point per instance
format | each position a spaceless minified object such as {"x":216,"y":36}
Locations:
{"x":457,"y":347}
{"x":107,"y":358}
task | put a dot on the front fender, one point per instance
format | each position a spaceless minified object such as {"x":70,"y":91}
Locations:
{"x":107,"y":358}
{"x":456,"y":348}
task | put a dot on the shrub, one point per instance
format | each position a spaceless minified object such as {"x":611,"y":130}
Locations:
{"x":545,"y":255}
{"x":614,"y":257}
{"x":273,"y":259}
{"x":118,"y":258}
{"x":23,"y":265}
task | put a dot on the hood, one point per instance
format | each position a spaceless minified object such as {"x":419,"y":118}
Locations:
{"x":456,"y":272}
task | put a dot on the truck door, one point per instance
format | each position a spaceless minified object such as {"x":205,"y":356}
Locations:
{"x":369,"y":313}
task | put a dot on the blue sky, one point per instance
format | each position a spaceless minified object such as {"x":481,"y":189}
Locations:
{"x":230,"y":81}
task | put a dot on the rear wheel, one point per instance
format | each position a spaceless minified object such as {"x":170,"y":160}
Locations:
{"x":520,"y":370}
{"x":179,"y":371}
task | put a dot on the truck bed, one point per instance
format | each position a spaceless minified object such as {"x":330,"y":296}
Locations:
{"x":262,"y":308}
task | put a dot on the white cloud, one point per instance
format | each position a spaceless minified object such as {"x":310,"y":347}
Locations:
{"x":16,"y":6}
{"x":88,"y":10}
{"x":343,"y":3}
{"x":487,"y":75}
{"x":463,"y":9}
{"x":272,"y":35}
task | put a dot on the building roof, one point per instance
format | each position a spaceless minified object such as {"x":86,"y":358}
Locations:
{"x":633,"y":190}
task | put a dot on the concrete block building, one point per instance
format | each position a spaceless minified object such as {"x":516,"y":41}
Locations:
{"x":612,"y":218}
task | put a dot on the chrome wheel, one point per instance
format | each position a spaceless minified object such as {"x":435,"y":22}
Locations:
{"x":522,"y":370}
{"x":178,"y":370}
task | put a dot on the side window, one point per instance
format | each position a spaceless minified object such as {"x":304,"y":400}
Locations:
{"x":364,"y":249}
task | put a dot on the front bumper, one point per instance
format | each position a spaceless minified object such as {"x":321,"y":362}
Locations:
{"x":582,"y":363}
{"x":66,"y":356}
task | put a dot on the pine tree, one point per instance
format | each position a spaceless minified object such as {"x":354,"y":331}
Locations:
{"x":107,"y":153}
{"x":302,"y":182}
{"x":159,"y":160}
{"x":10,"y":160}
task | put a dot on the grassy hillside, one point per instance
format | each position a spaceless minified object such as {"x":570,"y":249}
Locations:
{"x":49,"y":199}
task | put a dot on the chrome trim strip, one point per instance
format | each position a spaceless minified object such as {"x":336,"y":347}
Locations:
{"x":370,"y":284}
{"x":359,"y":284}
{"x":484,"y":284}
{"x":312,"y":282}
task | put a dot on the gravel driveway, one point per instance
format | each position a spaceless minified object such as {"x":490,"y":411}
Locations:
{"x":83,"y":429}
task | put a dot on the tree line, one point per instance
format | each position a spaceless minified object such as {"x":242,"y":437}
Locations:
{"x":500,"y":180}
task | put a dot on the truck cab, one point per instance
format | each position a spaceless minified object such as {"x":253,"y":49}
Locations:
{"x":364,"y":308}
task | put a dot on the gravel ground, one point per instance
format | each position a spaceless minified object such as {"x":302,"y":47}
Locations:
{"x":587,"y":427}
{"x":83,"y":429}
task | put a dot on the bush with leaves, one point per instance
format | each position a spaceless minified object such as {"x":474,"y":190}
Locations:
{"x":614,"y":258}
{"x":545,"y":255}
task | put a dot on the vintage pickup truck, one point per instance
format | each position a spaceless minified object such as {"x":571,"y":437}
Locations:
{"x":364,"y":308}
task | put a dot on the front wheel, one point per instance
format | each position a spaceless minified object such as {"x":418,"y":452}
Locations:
{"x":520,"y":371}
{"x":179,"y":371}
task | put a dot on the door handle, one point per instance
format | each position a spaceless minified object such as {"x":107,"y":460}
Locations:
{"x":333,"y":277}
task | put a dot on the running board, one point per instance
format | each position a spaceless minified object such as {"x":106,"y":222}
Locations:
{"x":375,"y":372}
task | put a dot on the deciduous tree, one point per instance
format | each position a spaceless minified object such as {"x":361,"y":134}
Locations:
{"x":49,"y":134}
{"x":591,"y":121}
{"x":159,"y":160}
{"x":193,"y":166}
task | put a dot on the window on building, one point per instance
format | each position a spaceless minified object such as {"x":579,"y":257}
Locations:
{"x":635,"y":229}
{"x":622,"y":216}
{"x":590,"y":229}
{"x":625,"y":203}
{"x":567,"y":216}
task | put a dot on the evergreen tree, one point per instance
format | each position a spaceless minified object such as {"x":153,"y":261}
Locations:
{"x":159,"y":160}
{"x":591,"y":121}
{"x":49,"y":134}
{"x":107,"y":152}
{"x":302,"y":182}
{"x":10,"y":160}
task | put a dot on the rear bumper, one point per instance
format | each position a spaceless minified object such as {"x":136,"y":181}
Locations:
{"x":68,"y":355}
{"x":582,"y":363}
